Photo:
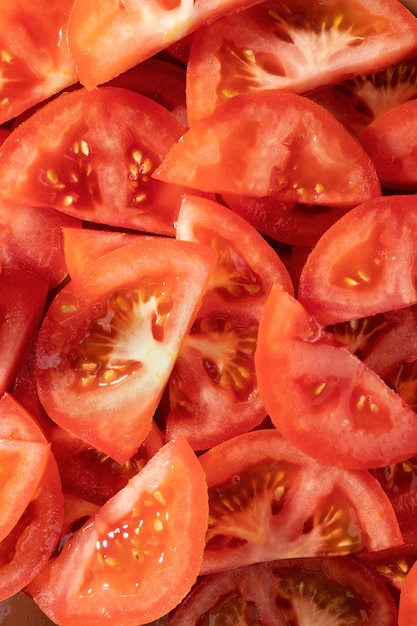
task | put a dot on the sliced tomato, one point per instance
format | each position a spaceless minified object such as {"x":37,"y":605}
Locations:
{"x":103,"y":37}
{"x":83,"y":246}
{"x":322,"y":397}
{"x":253,"y":144}
{"x":408,"y":599}
{"x":109,"y":340}
{"x":296,"y":47}
{"x":96,"y":161}
{"x":139,"y":555}
{"x":357,"y":101}
{"x":35,"y":60}
{"x":256,"y":512}
{"x":364,"y":264}
{"x":390,"y":140}
{"x":31,"y":541}
{"x":214,"y":374}
{"x":22,"y":301}
{"x":41,"y":254}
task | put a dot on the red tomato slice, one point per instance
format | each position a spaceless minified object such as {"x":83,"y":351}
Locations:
{"x":408,"y":599}
{"x":103,"y":37}
{"x":139,"y":555}
{"x":322,"y":397}
{"x":256,"y":512}
{"x":364,"y":264}
{"x":22,"y":302}
{"x":35,"y":60}
{"x":31,"y":541}
{"x":294,"y":591}
{"x":214,"y":374}
{"x":109,"y":340}
{"x":96,"y":161}
{"x":296,"y":47}
{"x":253,"y":144}
{"x":391,"y":142}
{"x":41,"y":254}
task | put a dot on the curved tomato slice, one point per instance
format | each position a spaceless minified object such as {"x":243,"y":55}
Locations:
{"x":256,"y":512}
{"x":408,"y":599}
{"x":390,"y":142}
{"x":31,"y":541}
{"x":296,"y":47}
{"x":110,"y":338}
{"x":139,"y":555}
{"x":96,"y":161}
{"x":359,"y":267}
{"x":253,"y":145}
{"x":214,"y":375}
{"x":322,"y":397}
{"x":103,"y":37}
{"x":295,"y":591}
{"x":35,"y":60}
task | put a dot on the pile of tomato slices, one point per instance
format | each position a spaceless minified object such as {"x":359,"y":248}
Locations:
{"x":208,"y":313}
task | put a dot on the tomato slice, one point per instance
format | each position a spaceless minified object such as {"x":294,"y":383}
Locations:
{"x":32,"y":539}
{"x":294,"y":46}
{"x":389,"y":140}
{"x":214,"y":374}
{"x":22,"y":301}
{"x":256,"y":513}
{"x":334,"y":591}
{"x":408,"y":599}
{"x":35,"y":61}
{"x":139,"y":555}
{"x":252,"y":145}
{"x":322,"y":397}
{"x":103,"y":37}
{"x":358,"y":267}
{"x":96,"y":161}
{"x":110,"y":338}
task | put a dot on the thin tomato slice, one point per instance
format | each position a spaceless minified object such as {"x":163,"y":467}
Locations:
{"x":104,"y":41}
{"x":214,"y":374}
{"x":256,"y":512}
{"x":253,"y":144}
{"x":408,"y":599}
{"x":109,"y":340}
{"x":364,"y":264}
{"x":96,"y":160}
{"x":322,"y":397}
{"x":35,"y":60}
{"x":295,"y":46}
{"x":139,"y":555}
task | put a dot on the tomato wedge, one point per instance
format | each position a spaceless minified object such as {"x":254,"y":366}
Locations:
{"x":322,"y":397}
{"x":139,"y":554}
{"x":35,"y":60}
{"x":408,"y":599}
{"x":104,"y":41}
{"x":96,"y":160}
{"x":256,"y":513}
{"x":253,"y":144}
{"x":296,"y":46}
{"x":214,"y":374}
{"x":365,"y":263}
{"x":110,"y":338}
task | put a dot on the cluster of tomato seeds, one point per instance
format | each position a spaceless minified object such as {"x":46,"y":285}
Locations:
{"x":208,"y":313}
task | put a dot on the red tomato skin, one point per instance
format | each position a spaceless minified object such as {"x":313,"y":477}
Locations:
{"x":22,"y":301}
{"x":165,"y":581}
{"x":322,"y":397}
{"x":364,"y":263}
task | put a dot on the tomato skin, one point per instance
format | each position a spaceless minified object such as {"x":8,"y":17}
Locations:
{"x":251,"y":144}
{"x":255,"y":513}
{"x":173,"y":483}
{"x":22,"y":301}
{"x":96,"y":161}
{"x":364,"y":263}
{"x":322,"y":397}
{"x":109,"y":340}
